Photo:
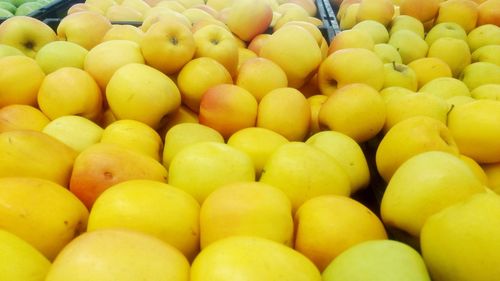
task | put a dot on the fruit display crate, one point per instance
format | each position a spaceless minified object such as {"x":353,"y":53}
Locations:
{"x":328,"y":16}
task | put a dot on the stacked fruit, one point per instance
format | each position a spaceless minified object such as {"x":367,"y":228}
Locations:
{"x":9,"y":8}
{"x":227,"y":140}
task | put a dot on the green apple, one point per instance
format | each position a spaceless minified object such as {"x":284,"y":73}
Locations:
{"x":398,"y":74}
{"x":445,"y":29}
{"x":480,"y":73}
{"x":5,"y":13}
{"x":58,"y":54}
{"x":409,"y":45}
{"x":27,"y":8}
{"x":8,"y":6}
{"x":377,"y":260}
{"x":18,"y":3}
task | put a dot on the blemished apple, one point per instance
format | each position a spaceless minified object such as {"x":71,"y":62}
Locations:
{"x":228,"y":108}
{"x":168,"y":45}
{"x":26,"y":34}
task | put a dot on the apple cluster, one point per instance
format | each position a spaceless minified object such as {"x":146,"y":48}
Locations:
{"x":9,"y":8}
{"x":219,"y":140}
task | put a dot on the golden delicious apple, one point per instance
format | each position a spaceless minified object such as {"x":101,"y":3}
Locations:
{"x":349,"y":15}
{"x":27,"y":34}
{"x":460,"y":242}
{"x":480,"y":73}
{"x":410,"y":137}
{"x":406,"y":22}
{"x":228,"y":108}
{"x":257,"y":42}
{"x":85,"y":99}
{"x":356,"y":110}
{"x":219,"y":4}
{"x":168,"y":45}
{"x":400,"y":75}
{"x":143,"y":93}
{"x":7,"y":50}
{"x":287,"y":12}
{"x":124,"y":32}
{"x":151,"y":207}
{"x":252,"y":258}
{"x":475,"y":128}
{"x":185,"y":134}
{"x":457,"y":100}
{"x":258,"y":143}
{"x":218,"y":43}
{"x":103,"y":5}
{"x":16,"y":87}
{"x":201,"y":168}
{"x":195,"y":15}
{"x":86,"y":28}
{"x":441,"y":178}
{"x":122,"y":255}
{"x":328,"y":225}
{"x":248,"y":18}
{"x":409,"y":45}
{"x":364,"y":67}
{"x":176,"y":6}
{"x":75,"y":131}
{"x":378,"y":260}
{"x":27,"y":153}
{"x":487,"y":34}
{"x":41,"y":212}
{"x":391,"y":92}
{"x":261,"y":210}
{"x":299,"y":59}
{"x":103,"y":60}
{"x":445,"y":87}
{"x":20,"y":260}
{"x":488,"y":53}
{"x":378,"y":10}
{"x":58,"y":54}
{"x":315,"y":102}
{"x":486,"y":91}
{"x":348,"y":154}
{"x":140,"y":6}
{"x":421,"y":10}
{"x":250,"y":77}
{"x":430,"y":68}
{"x":102,"y":165}
{"x":387,"y":53}
{"x":123,"y":13}
{"x":463,"y":12}
{"x":285,"y":111}
{"x":445,"y":29}
{"x":488,"y":13}
{"x":377,"y":31}
{"x":207,"y":72}
{"x":81,"y":7}
{"x":133,"y":135}
{"x":159,"y":14}
{"x":455,"y":52}
{"x":245,"y":54}
{"x":303,"y":171}
{"x":21,"y":117}
{"x":352,"y":38}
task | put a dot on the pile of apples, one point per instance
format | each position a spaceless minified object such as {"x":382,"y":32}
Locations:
{"x":9,"y":8}
{"x":228,"y":140}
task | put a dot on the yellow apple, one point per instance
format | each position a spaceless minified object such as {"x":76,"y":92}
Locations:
{"x":41,"y":212}
{"x":103,"y":60}
{"x":257,"y":42}
{"x":285,"y":111}
{"x":387,"y":53}
{"x":7,"y":50}
{"x":151,"y":207}
{"x":364,"y":67}
{"x":124,"y":32}
{"x":405,"y":22}
{"x":86,"y":28}
{"x":410,"y":137}
{"x":445,"y":87}
{"x":103,"y":5}
{"x":251,"y":258}
{"x":228,"y":108}
{"x":20,"y":260}
{"x":458,"y":100}
{"x":349,"y":18}
{"x":487,"y":34}
{"x":330,"y":224}
{"x":139,"y":5}
{"x":315,"y":102}
{"x":16,"y":87}
{"x":102,"y":165}
{"x":144,"y":257}
{"x":218,"y":43}
{"x":81,"y":7}
{"x":219,"y":4}
{"x":181,"y":115}
{"x":400,"y":75}
{"x":480,"y":73}
{"x":123,"y":13}
{"x":356,"y":110}
{"x":140,"y":92}
{"x":287,"y":12}
{"x":27,"y":34}
{"x":22,"y":117}
{"x":258,"y":143}
{"x":201,"y":168}
{"x":58,"y":54}
{"x":377,"y":31}
{"x":352,"y":38}
{"x":75,"y":131}
{"x":475,"y":128}
{"x":455,"y":52}
{"x":195,"y":15}
{"x":261,"y":210}
{"x":394,"y":92}
{"x":421,"y":10}
{"x":492,"y":172}
{"x":299,"y":59}
{"x":488,"y":13}
{"x":207,"y":72}
{"x":486,"y":91}
{"x":463,"y":12}
{"x":488,"y":53}
{"x":409,"y":45}
{"x":159,"y":14}
{"x":176,"y":6}
{"x":445,"y":29}
{"x":85,"y":98}
{"x":250,"y":77}
{"x":449,"y":245}
{"x":168,"y":45}
{"x":378,"y":10}
{"x":430,"y":68}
